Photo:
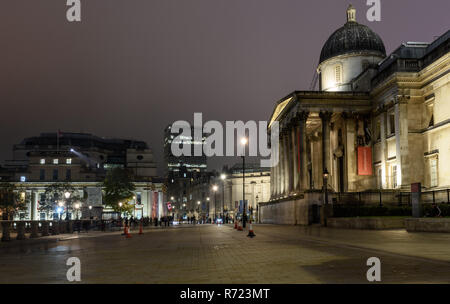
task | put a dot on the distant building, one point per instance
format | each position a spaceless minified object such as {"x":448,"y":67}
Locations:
{"x":183,"y":166}
{"x":83,"y":160}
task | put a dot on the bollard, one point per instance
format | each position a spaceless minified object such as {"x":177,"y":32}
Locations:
{"x":70,"y":227}
{"x":6,"y":234}
{"x":62,"y":227}
{"x":45,"y":229}
{"x":20,"y":230}
{"x":34,"y":230}
{"x":55,"y":227}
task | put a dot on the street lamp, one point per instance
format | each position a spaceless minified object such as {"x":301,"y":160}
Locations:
{"x":67,"y":196}
{"x":77,"y":206}
{"x":215,"y":200}
{"x":325,"y":185}
{"x":223,"y":177}
{"x":60,"y":209}
{"x":243,"y":143}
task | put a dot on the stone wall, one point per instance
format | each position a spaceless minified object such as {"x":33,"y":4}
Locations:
{"x":366,"y":223}
{"x":290,"y":211}
{"x":427,"y":224}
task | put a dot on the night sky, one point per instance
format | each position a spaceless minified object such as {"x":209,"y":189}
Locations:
{"x":133,"y":66}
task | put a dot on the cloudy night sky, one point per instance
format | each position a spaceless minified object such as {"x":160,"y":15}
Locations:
{"x":129,"y":68}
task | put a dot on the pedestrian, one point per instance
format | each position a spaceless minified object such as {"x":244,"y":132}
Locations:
{"x":435,"y":210}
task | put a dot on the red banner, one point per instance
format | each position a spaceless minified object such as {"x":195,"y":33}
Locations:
{"x":364,"y":161}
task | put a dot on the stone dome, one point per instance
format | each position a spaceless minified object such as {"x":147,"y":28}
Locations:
{"x":352,"y":38}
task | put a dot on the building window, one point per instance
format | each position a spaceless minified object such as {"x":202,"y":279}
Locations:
{"x":42,"y":161}
{"x":55,"y":161}
{"x":433,"y":173}
{"x":42,"y":174}
{"x":68,"y":174}
{"x":338,"y":73}
{"x":394,"y":176}
{"x":391,"y":123}
{"x":55,"y":174}
{"x":68,"y":161}
{"x":378,"y":130}
{"x":380,"y":178}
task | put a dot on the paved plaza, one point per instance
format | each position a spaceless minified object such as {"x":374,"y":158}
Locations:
{"x":220,"y":254}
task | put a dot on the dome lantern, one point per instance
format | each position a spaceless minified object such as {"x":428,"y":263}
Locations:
{"x":351,"y":14}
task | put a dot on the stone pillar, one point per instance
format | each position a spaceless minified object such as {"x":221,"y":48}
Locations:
{"x":34,"y":229}
{"x":384,"y":154}
{"x":401,"y":140}
{"x":290,"y":161}
{"x":295,"y":163}
{"x":285,"y":162}
{"x":350,"y":151}
{"x":20,"y":230}
{"x":304,"y":183}
{"x":280,"y":181}
{"x":326,"y":163}
{"x":45,"y":229}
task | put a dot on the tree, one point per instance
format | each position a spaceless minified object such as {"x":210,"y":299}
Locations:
{"x":118,"y":190}
{"x":12,"y":200}
{"x":60,"y":195}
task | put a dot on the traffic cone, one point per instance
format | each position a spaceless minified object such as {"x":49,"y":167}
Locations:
{"x":140,"y":229}
{"x":240,"y":226}
{"x":235,"y":224}
{"x":125,"y":231}
{"x":128,"y":235}
{"x":250,"y":231}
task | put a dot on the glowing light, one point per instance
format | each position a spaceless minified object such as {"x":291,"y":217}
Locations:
{"x":67,"y":195}
{"x":223,"y":176}
{"x":215,"y":188}
{"x":244,"y":141}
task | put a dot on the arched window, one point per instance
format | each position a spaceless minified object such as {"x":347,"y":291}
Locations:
{"x":338,"y":73}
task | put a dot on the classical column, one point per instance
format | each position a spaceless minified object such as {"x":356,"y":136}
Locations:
{"x":383,"y":150}
{"x":290,"y":160}
{"x":350,"y":151}
{"x":281,"y":166}
{"x":326,"y":117}
{"x":303,"y":117}
{"x":401,"y":140}
{"x":287,"y":164}
{"x":294,"y":153}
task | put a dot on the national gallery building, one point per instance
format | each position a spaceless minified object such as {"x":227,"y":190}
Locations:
{"x":378,"y":122}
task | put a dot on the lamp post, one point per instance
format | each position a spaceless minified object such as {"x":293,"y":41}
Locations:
{"x":243,"y":143}
{"x":325,"y":185}
{"x":223,"y":177}
{"x":207,"y":209}
{"x":67,"y":196}
{"x":60,"y":210}
{"x":215,"y":200}
{"x":77,"y":206}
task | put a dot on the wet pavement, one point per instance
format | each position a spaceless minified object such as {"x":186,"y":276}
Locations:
{"x":220,"y":254}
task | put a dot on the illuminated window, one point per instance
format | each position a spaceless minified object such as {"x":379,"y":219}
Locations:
{"x":55,"y":161}
{"x":42,"y":161}
{"x":338,"y":73}
{"x":68,"y":161}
